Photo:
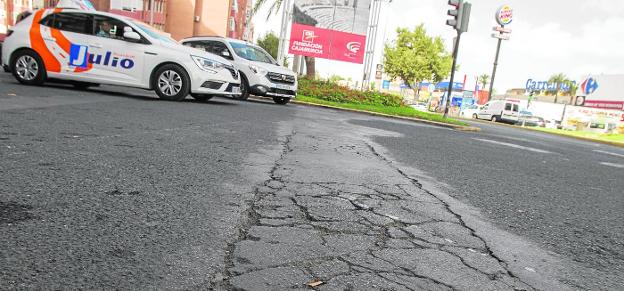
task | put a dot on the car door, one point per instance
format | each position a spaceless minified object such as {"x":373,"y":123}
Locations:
{"x":115,"y":59}
{"x":510,"y":111}
{"x":66,"y":33}
{"x":483,"y":112}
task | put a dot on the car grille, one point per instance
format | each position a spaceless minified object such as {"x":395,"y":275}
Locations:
{"x":212,"y":85}
{"x":281,"y":78}
{"x":233,"y":71}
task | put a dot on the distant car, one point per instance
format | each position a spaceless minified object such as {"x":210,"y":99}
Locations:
{"x":420,"y":106}
{"x":470,"y":111}
{"x":552,"y":123}
{"x":530,"y":120}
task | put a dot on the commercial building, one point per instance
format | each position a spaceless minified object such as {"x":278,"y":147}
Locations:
{"x":179,"y":18}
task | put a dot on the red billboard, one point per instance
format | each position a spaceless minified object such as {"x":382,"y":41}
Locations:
{"x":317,"y":42}
{"x":333,"y":30}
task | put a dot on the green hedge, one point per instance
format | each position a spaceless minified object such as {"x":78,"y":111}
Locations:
{"x":333,"y":92}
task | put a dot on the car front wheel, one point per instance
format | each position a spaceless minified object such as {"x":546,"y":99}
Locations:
{"x":474,"y":116}
{"x":28,"y":68}
{"x":171,"y":83}
{"x":244,"y":88}
{"x":494,"y":118}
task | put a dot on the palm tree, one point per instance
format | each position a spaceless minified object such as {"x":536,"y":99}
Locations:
{"x":275,"y":7}
{"x":483,"y":80}
{"x":558,"y":79}
{"x":572,"y":88}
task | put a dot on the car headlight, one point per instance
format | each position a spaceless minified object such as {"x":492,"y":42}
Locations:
{"x":207,"y":64}
{"x":258,"y":70}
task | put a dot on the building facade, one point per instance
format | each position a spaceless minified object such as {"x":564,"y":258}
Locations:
{"x":178,"y":18}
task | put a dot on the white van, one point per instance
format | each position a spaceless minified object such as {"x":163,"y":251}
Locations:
{"x":500,"y":110}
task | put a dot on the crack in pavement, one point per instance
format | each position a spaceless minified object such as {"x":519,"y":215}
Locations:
{"x":340,"y":212}
{"x":447,"y":206}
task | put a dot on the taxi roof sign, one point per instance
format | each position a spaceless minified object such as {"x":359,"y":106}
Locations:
{"x":76,"y":4}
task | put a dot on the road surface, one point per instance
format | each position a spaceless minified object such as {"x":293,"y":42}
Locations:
{"x":112,"y":188}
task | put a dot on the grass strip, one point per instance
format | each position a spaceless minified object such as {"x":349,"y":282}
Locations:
{"x":404,"y":111}
{"x":615,"y":137}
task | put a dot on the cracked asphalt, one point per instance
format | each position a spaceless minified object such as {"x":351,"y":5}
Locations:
{"x":113,"y":189}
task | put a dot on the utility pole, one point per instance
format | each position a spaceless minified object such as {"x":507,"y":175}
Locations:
{"x":504,"y":16}
{"x":283,"y":36}
{"x":460,"y":20}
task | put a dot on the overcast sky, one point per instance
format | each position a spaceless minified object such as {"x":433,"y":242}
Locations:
{"x":575,"y":37}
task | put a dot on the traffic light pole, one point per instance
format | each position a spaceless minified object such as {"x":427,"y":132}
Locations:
{"x":494,"y":69}
{"x":450,"y":87}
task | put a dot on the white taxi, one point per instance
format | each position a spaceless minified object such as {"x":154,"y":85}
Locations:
{"x":88,"y":47}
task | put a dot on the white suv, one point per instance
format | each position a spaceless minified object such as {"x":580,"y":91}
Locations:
{"x":260,"y":73}
{"x":88,"y":47}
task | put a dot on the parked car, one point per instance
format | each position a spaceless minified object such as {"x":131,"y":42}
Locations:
{"x":552,"y":123}
{"x":420,"y":106}
{"x":500,"y":110}
{"x":531,"y":120}
{"x":87,"y":47}
{"x":470,"y":111}
{"x":260,"y":74}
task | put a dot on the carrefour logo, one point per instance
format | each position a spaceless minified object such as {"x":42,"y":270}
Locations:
{"x":80,"y":57}
{"x":589,"y":86}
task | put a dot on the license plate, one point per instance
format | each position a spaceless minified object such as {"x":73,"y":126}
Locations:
{"x":236,"y":90}
{"x":283,"y":87}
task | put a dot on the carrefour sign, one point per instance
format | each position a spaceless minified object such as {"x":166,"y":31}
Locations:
{"x":532,"y":85}
{"x":504,"y":15}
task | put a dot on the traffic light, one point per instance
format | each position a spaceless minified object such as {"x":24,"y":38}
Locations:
{"x":465,"y":16}
{"x":456,"y":13}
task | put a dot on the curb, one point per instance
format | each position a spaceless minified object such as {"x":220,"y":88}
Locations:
{"x":612,"y":143}
{"x":435,"y":123}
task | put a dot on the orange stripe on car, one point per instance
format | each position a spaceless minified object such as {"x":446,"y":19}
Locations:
{"x":38,"y":44}
{"x":65,"y":44}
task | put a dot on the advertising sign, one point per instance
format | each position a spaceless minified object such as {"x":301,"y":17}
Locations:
{"x":504,"y":15}
{"x":333,"y":30}
{"x":603,"y":91}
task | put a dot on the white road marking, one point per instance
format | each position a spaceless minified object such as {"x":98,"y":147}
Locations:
{"x":613,"y":165}
{"x":514,"y":146}
{"x":609,"y":153}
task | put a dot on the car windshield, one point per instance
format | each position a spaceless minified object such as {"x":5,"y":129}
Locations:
{"x":252,"y":53}
{"x":153,"y":33}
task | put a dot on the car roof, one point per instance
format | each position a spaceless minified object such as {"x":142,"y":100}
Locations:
{"x":216,"y":37}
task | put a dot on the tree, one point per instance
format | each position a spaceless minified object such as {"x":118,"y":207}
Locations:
{"x":572,"y":88}
{"x":558,"y":79}
{"x":483,"y":80}
{"x":270,"y":43}
{"x":275,"y":7}
{"x":414,"y":57}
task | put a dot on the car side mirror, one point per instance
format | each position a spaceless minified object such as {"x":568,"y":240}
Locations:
{"x":226,"y":54}
{"x":131,"y":35}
